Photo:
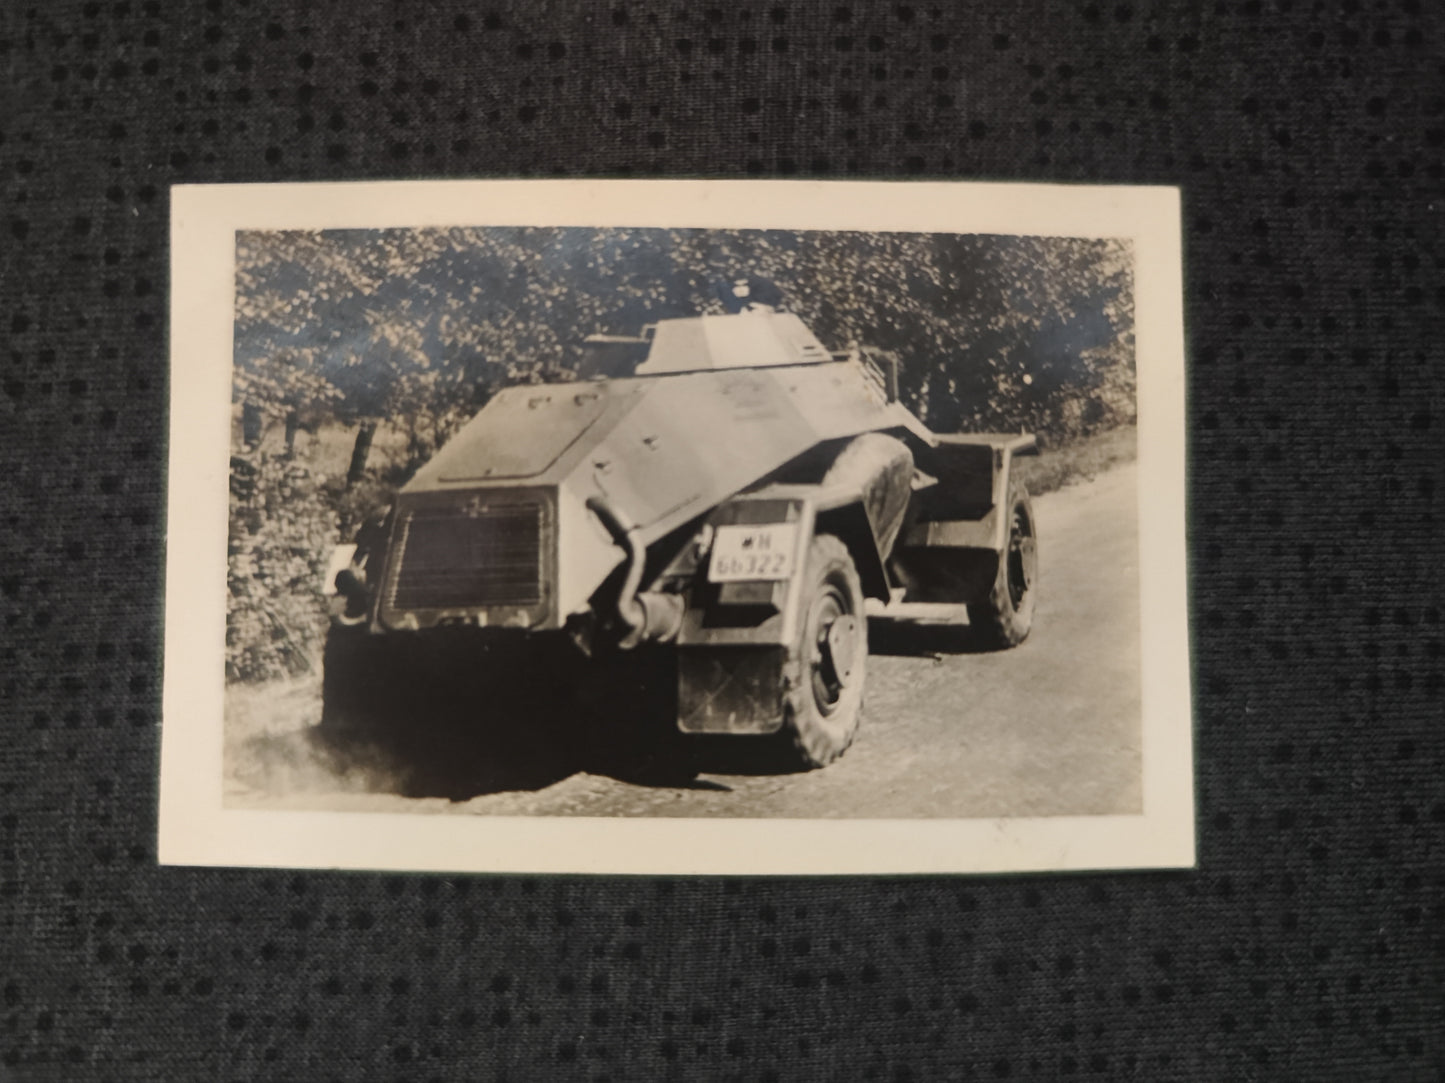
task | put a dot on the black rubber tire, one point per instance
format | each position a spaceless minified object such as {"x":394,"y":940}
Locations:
{"x":1004,"y":618}
{"x":823,"y":705}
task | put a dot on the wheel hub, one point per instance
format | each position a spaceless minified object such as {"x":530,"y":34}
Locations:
{"x":835,"y":647}
{"x":841,"y":644}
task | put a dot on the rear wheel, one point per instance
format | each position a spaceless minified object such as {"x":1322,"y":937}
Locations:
{"x":1004,"y":617}
{"x":828,"y":658}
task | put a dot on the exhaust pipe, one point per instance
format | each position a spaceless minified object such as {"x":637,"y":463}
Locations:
{"x":650,"y":614}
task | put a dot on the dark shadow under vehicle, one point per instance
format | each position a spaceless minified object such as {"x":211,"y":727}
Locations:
{"x":459,"y":713}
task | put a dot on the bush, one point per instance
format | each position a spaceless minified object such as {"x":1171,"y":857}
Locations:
{"x":283,"y":525}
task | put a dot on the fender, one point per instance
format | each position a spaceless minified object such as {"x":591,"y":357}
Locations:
{"x":962,"y":510}
{"x":766,"y":611}
{"x":958,"y":527}
{"x":734,"y":638}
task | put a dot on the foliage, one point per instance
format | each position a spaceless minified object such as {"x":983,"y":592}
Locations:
{"x":410,"y":324}
{"x":1077,"y":461}
{"x":282,"y":531}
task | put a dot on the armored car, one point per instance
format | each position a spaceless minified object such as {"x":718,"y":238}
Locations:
{"x":721,"y":487}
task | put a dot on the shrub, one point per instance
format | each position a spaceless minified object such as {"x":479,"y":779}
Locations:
{"x":283,"y":526}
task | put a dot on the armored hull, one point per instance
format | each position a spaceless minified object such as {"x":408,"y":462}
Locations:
{"x":496,"y":529}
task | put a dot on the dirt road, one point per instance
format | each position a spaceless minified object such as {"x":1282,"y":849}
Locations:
{"x":1049,"y":728}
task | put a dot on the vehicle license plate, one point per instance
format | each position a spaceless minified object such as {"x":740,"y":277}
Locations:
{"x":752,"y":552}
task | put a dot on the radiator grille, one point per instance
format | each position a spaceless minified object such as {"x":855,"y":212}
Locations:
{"x":458,"y":558}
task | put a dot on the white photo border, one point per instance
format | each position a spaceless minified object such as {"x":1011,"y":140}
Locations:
{"x":195,"y":828}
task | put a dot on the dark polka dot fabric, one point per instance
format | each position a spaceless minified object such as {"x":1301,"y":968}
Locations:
{"x":1308,"y":141}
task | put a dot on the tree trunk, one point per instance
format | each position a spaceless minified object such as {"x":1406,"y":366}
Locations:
{"x":292,"y":424}
{"x":250,"y":424}
{"x":360,"y":451}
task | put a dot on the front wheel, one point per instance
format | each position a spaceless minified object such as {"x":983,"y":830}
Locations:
{"x":1003,"y":619}
{"x":828,"y":657}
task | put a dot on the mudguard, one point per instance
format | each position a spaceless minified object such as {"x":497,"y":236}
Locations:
{"x":958,"y":526}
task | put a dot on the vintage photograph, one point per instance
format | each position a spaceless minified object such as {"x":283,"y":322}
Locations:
{"x":650,"y":531}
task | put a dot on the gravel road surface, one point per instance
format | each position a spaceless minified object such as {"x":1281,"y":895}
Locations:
{"x":1049,"y":728}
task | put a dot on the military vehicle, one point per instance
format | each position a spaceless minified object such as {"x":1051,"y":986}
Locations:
{"x":721,"y":486}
